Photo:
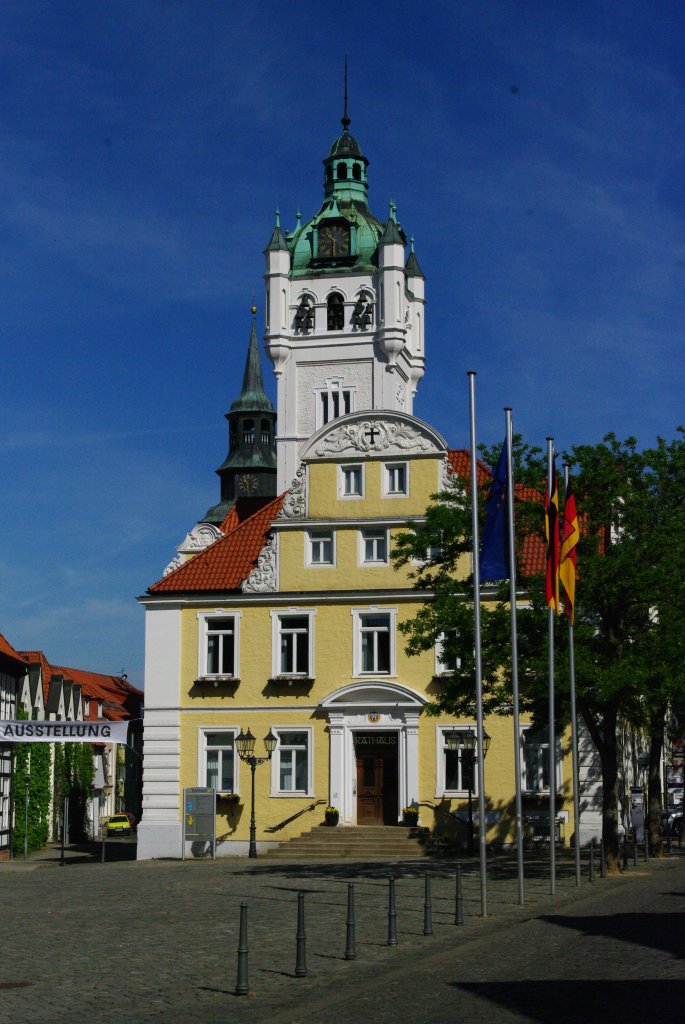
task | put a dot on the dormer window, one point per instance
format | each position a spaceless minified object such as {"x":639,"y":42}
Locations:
{"x":335,"y":312}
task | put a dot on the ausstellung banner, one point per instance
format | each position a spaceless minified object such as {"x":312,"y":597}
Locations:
{"x":63,"y":732}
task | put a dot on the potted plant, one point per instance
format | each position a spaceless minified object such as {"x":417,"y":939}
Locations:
{"x":410,"y":816}
{"x":332,"y":816}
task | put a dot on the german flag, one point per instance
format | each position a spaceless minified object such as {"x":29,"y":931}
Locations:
{"x":552,"y":535}
{"x":570,"y":535}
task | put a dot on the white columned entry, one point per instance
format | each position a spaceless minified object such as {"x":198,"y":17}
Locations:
{"x":372,"y":707}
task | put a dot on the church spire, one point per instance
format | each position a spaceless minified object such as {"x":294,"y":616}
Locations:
{"x":252,"y":397}
{"x":344,"y":120}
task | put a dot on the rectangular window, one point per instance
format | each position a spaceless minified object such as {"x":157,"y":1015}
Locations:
{"x":375,"y":642}
{"x":396,"y":479}
{"x":374,"y":546}
{"x":292,"y":761}
{"x":333,"y":401}
{"x":446,"y":659}
{"x":351,"y":482}
{"x":535,"y":760}
{"x":220,"y":636}
{"x":294,"y":644}
{"x":220,"y":761}
{"x":321,"y":547}
{"x":456,"y":769}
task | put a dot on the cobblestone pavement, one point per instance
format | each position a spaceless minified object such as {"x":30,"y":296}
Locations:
{"x":157,"y":941}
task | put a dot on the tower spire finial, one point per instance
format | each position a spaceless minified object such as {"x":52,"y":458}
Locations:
{"x":344,"y":120}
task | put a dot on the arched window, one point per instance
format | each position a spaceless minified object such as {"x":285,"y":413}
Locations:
{"x":362,"y":314}
{"x":356,"y":172}
{"x":336,"y":312}
{"x":342,"y":171}
{"x":265,"y":432}
{"x":248,"y":432}
{"x":233,"y":436}
{"x":304,"y":315}
{"x":329,"y":173}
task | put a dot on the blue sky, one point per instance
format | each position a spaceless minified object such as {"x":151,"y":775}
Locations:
{"x":534,"y":150}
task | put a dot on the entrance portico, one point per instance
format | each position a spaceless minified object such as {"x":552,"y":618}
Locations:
{"x":374,"y":750}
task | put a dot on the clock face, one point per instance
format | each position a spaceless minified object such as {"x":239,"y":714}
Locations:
{"x":334,"y":240}
{"x":247,"y":484}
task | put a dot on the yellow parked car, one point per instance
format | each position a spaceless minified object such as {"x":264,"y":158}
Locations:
{"x":118,"y":825}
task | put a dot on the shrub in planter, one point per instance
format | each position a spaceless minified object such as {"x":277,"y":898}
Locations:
{"x":332,"y":816}
{"x":410,"y":815}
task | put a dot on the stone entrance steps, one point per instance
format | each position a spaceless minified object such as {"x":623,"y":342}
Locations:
{"x":358,"y":842}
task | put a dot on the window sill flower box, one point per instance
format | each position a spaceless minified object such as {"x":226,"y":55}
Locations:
{"x":231,"y":798}
{"x":217,"y":680}
{"x":291,"y":679}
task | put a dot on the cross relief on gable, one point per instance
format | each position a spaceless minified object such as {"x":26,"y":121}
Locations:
{"x":374,"y":436}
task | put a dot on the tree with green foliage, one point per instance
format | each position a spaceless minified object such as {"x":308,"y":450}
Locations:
{"x":630,"y":604}
{"x":32,"y":764}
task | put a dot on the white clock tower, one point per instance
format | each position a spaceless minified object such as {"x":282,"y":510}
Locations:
{"x":344,"y":310}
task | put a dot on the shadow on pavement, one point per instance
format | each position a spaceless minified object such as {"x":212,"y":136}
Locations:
{"x":588,"y":1001}
{"x":660,"y":931}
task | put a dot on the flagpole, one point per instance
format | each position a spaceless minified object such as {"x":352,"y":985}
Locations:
{"x":574,"y":723}
{"x":482,"y":824}
{"x":551,"y":612}
{"x":514,"y":653}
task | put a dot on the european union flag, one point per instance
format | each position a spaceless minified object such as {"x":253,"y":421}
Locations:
{"x":494,"y":552}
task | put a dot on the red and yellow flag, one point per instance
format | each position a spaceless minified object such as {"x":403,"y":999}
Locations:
{"x":570,"y":535}
{"x":552,"y":535}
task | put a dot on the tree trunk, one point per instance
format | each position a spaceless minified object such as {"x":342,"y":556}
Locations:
{"x":654,"y":832}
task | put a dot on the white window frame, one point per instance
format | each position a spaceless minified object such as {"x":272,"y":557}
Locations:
{"x":276,"y":790}
{"x":545,"y":748}
{"x":276,"y":618}
{"x":342,"y":471}
{"x":389,"y":471}
{"x":204,"y":619}
{"x":202,"y":733}
{"x":358,"y":615}
{"x":441,"y":764}
{"x":441,"y":669}
{"x":364,"y":538}
{"x":312,"y":540}
{"x":334,"y":391}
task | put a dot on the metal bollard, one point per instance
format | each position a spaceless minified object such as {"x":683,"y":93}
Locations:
{"x":103,"y":844}
{"x":634,"y":851}
{"x":427,"y":906}
{"x":646,"y":844}
{"x":591,"y":870}
{"x":350,"y":951}
{"x":625,"y":854}
{"x":669,"y":837}
{"x":242,"y":986}
{"x":602,"y":860}
{"x":459,"y":906}
{"x":301,"y":958}
{"x":392,"y":913}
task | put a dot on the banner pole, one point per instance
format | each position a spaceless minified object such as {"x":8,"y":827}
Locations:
{"x":482,"y":823}
{"x":514,"y":655}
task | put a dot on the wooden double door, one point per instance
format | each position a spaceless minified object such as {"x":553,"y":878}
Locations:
{"x":376,"y":756}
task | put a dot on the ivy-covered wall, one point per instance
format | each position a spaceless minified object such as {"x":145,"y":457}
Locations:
{"x":32,"y":761}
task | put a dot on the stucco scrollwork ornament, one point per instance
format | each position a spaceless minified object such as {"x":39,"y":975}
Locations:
{"x":446,"y":475}
{"x":374,"y":436}
{"x":173,"y":564}
{"x":295,"y":504}
{"x":263,"y":578}
{"x":200,"y":537}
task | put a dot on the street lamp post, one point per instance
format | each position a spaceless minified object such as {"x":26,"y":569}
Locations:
{"x":463,"y":742}
{"x":245,"y":742}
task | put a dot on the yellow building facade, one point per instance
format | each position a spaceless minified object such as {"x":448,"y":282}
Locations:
{"x":280,"y":616}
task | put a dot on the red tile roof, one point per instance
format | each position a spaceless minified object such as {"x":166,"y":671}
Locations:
{"x":228,"y":561}
{"x":532,"y":554}
{"x":9,"y":651}
{"x":120,"y":699}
